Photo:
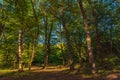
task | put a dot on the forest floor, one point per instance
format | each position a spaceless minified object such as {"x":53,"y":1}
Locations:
{"x":54,"y":73}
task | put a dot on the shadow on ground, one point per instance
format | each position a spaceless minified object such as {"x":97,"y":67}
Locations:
{"x":53,"y":74}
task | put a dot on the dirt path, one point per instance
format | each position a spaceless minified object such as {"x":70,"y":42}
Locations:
{"x":37,"y":73}
{"x":52,"y":73}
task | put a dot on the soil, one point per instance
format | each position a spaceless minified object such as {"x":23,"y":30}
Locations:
{"x":54,"y":73}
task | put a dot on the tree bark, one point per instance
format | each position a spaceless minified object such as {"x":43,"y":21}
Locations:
{"x":111,"y":43}
{"x":35,"y":36}
{"x":61,"y":46}
{"x":46,"y":46}
{"x":47,"y":43}
{"x":33,"y":53}
{"x":95,"y":15}
{"x":78,"y":49}
{"x":20,"y":66}
{"x":69,"y":46}
{"x":88,"y":38}
{"x":1,"y":29}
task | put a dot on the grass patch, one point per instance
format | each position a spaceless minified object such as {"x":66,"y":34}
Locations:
{"x":13,"y":73}
{"x":37,"y":73}
{"x":7,"y":72}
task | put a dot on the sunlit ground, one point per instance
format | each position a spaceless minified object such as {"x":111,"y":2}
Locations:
{"x":59,"y":73}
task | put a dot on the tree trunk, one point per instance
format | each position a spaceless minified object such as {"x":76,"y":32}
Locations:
{"x":46,"y":57}
{"x":69,"y":46}
{"x":36,"y":33}
{"x":47,"y":43}
{"x":1,"y":29}
{"x":46,"y":46}
{"x":88,"y":37}
{"x":20,"y":66}
{"x":111,"y":44}
{"x":98,"y":39}
{"x":33,"y":53}
{"x":78,"y":48}
{"x":94,"y":14}
{"x":61,"y":46}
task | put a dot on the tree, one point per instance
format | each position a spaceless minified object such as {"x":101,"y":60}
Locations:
{"x":95,"y":23}
{"x":1,"y":28}
{"x":36,"y":32}
{"x":20,"y":7}
{"x":88,"y":37}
